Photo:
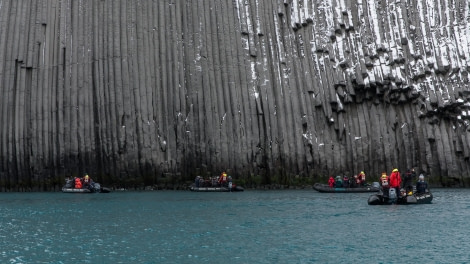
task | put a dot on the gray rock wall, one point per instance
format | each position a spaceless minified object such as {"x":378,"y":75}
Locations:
{"x":142,"y":91}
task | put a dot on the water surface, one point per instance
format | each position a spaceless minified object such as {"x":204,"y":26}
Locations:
{"x":289,"y":226}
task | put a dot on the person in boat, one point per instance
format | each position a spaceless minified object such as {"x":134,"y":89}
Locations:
{"x":338,"y":182}
{"x":345,"y":181}
{"x":69,"y":182}
{"x":395,"y":180}
{"x":384,"y":184}
{"x":87,"y":181}
{"x":353,"y":181}
{"x":421,"y":185}
{"x":78,"y":183}
{"x":229,"y":179}
{"x":202,"y":182}
{"x":384,"y":181}
{"x":213,"y":181}
{"x":358,"y":179}
{"x":408,"y":181}
{"x":403,"y":192}
{"x":223,"y":179}
{"x":196,"y":181}
{"x":331,"y":182}
{"x":362,"y":178}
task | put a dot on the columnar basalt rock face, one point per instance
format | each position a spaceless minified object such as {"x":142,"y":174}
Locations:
{"x":138,"y":91}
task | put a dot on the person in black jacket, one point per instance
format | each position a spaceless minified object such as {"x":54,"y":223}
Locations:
{"x":421,"y":185}
{"x":408,"y":181}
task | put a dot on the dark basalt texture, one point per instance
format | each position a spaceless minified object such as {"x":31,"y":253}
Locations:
{"x":142,"y":92}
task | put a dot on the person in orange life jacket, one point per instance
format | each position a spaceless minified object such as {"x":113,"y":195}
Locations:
{"x":78,"y":183}
{"x":395,"y":180}
{"x":223,"y":178}
{"x":331,"y":182}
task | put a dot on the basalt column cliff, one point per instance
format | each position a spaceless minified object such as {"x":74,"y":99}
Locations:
{"x":142,"y":91}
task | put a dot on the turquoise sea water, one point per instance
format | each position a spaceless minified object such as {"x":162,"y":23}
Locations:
{"x":289,"y":226}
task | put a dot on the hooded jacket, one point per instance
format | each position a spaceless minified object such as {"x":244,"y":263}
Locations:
{"x":395,"y":179}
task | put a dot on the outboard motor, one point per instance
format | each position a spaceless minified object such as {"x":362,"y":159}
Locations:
{"x":392,"y":195}
{"x":374,"y":200}
{"x":96,"y":187}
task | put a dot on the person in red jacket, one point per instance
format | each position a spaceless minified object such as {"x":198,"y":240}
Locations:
{"x":395,"y":180}
{"x":78,"y":183}
{"x":331,"y":182}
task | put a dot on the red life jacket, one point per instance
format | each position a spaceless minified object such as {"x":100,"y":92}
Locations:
{"x":78,"y":183}
{"x":331,"y":182}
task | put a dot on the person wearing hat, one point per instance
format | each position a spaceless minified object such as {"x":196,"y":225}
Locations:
{"x":338,"y":182}
{"x":384,"y":180}
{"x":223,"y":179}
{"x":87,"y":181}
{"x":421,"y":185}
{"x":362,"y":178}
{"x":395,"y":180}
